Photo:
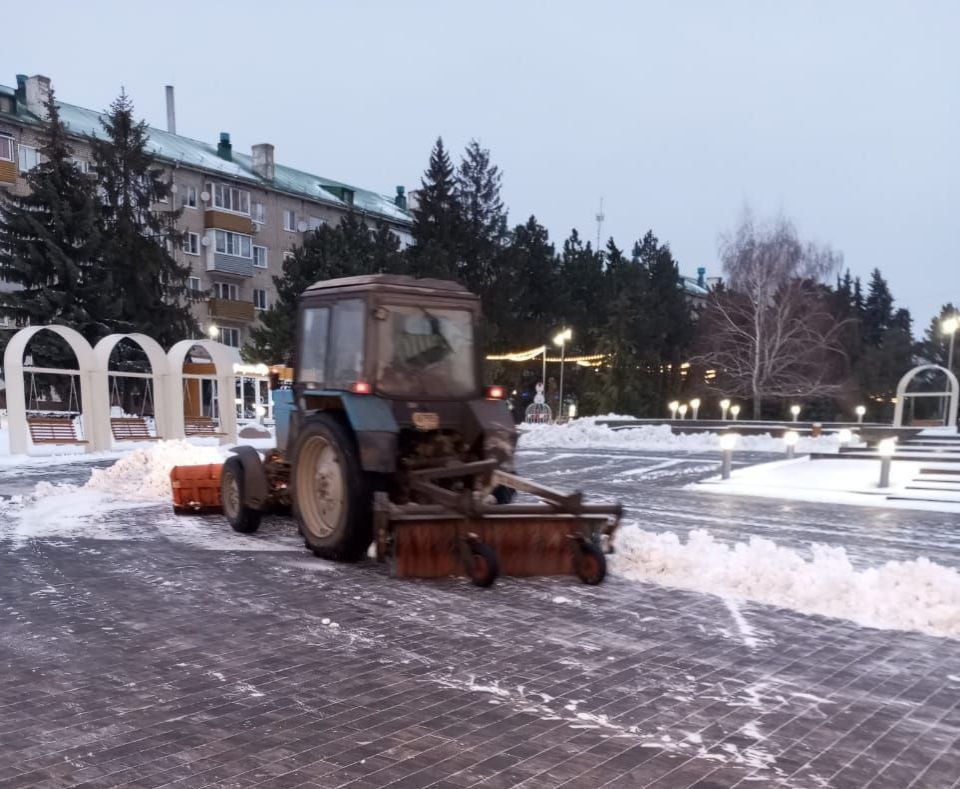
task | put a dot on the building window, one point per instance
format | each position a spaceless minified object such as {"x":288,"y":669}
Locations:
{"x":316,"y":222}
{"x":193,"y":284}
{"x":260,"y":257}
{"x":229,"y":336}
{"x":29,"y":158}
{"x":229,"y":198}
{"x":258,"y":213}
{"x":233,"y":244}
{"x":290,"y":221}
{"x":226,"y":290}
{"x":259,"y":299}
{"x":190,"y":198}
{"x":6,"y":149}
{"x":288,"y":255}
{"x":191,"y":243}
{"x":81,"y":164}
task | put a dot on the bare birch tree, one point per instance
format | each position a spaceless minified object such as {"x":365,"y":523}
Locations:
{"x":769,"y":332}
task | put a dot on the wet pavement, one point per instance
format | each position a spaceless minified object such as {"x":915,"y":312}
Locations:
{"x":171,"y":652}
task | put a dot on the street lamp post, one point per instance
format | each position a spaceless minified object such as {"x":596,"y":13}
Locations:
{"x":683,"y":411}
{"x":861,"y":410}
{"x":562,"y":339}
{"x":886,"y":450}
{"x":728,"y":441}
{"x":734,"y":412}
{"x":795,"y":412}
{"x":213,"y":332}
{"x":695,"y":407}
{"x":790,"y":438}
{"x":673,"y":405}
{"x":724,"y":407}
{"x":950,"y":326}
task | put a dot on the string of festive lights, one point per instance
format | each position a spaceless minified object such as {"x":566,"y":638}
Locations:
{"x":533,"y":353}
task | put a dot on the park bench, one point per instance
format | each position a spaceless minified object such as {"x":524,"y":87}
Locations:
{"x":200,"y":426}
{"x":131,"y":428}
{"x":53,"y":430}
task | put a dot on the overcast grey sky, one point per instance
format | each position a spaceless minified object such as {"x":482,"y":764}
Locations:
{"x":844,"y":116}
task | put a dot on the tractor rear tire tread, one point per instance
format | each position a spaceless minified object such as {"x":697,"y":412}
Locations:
{"x":247,"y":520}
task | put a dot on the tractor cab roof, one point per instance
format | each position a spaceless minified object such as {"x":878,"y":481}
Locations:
{"x":393,"y":283}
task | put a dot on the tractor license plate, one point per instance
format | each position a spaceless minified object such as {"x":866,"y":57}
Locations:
{"x":426,"y":420}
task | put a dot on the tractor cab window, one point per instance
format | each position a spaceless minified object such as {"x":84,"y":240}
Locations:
{"x":426,"y":352}
{"x":346,"y":349}
{"x":313,"y":344}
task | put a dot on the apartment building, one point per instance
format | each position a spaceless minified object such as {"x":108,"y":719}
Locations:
{"x":241,"y":212}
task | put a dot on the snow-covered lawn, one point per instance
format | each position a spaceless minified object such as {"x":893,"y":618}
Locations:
{"x":901,"y":595}
{"x":829,"y":481}
{"x":587,"y":434}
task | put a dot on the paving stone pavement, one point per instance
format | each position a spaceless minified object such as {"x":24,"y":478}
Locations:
{"x":177,"y":654}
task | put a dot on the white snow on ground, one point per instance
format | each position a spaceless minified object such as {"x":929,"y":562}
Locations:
{"x":587,"y":434}
{"x":831,"y":481}
{"x":902,"y":595}
{"x":145,"y":473}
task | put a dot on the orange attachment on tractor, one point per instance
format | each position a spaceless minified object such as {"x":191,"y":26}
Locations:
{"x":196,"y":488}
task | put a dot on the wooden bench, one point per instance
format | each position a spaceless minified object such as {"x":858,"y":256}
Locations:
{"x":131,"y":428}
{"x":53,"y":430}
{"x":200,"y":426}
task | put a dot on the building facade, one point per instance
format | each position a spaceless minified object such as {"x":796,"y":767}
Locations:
{"x":241,"y":213}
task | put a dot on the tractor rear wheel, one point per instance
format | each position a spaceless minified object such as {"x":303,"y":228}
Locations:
{"x":330,"y":497}
{"x":241,"y":517}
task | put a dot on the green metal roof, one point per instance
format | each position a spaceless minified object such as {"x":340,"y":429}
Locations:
{"x":177,"y":149}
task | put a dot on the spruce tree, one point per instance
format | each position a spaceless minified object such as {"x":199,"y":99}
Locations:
{"x":49,"y":247}
{"x":148,"y":287}
{"x":934,"y":348}
{"x":436,"y":219}
{"x":878,"y":309}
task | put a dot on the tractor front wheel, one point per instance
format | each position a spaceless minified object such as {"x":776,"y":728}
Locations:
{"x":242,"y":518}
{"x":330,"y":497}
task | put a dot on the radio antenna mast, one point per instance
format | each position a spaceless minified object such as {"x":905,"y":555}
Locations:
{"x":600,"y":217}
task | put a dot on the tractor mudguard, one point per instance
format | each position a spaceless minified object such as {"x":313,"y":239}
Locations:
{"x":376,"y":430}
{"x":492,"y":420}
{"x":255,"y":489}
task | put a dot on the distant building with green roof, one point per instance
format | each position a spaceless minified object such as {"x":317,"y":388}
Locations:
{"x":241,"y":212}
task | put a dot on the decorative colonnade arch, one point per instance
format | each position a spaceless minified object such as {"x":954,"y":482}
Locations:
{"x":953,"y":393}
{"x":93,"y":371}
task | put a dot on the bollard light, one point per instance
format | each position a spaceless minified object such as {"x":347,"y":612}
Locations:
{"x":695,"y":406}
{"x":845,"y":436}
{"x":790,"y":438}
{"x":861,"y":410}
{"x":673,"y":405}
{"x":728,"y":442}
{"x":795,"y":412}
{"x":724,"y":407}
{"x":734,"y":412}
{"x":213,"y":331}
{"x":886,"y":450}
{"x":683,"y":411}
{"x":572,"y":410}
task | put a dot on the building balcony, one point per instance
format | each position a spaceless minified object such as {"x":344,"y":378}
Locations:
{"x":230,"y":310}
{"x":225,"y":220}
{"x":8,"y":172}
{"x":230,"y":264}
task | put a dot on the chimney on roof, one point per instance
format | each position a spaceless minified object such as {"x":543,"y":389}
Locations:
{"x":702,"y":277}
{"x":38,"y":92}
{"x":171,"y":111}
{"x":263,"y":160}
{"x":400,"y":201}
{"x":224,"y":148}
{"x":21,"y":87}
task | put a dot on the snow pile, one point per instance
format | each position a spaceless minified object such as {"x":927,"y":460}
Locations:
{"x":587,"y":434}
{"x":906,"y":595}
{"x":145,"y":473}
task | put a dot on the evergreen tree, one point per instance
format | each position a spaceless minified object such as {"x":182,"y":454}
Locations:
{"x":878,"y":309}
{"x":346,"y":249}
{"x":147,"y":286}
{"x":49,"y":247}
{"x":530,"y":278}
{"x":934,"y":348}
{"x":436,"y":219}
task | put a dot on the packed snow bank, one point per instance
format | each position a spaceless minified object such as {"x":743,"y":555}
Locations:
{"x":145,"y":473}
{"x":587,"y":434}
{"x":905,"y":595}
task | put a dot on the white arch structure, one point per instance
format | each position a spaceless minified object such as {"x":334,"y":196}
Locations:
{"x":953,"y":392}
{"x":224,"y":376}
{"x":13,"y":369}
{"x":158,"y":375}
